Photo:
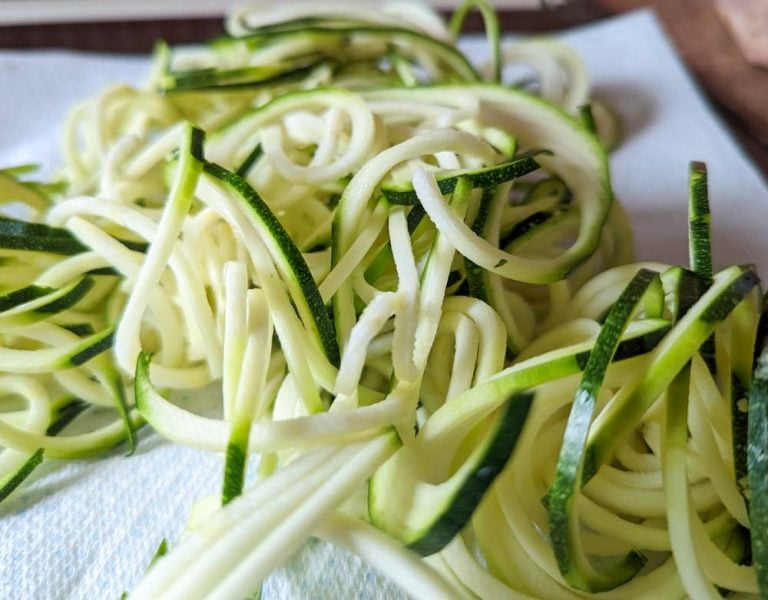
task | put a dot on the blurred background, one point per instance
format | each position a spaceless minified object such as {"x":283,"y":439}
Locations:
{"x":723,"y":42}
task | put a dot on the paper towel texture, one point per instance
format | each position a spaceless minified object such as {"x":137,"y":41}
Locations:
{"x":86,"y":530}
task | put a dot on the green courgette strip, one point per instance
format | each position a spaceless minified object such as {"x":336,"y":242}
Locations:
{"x":249,"y":335}
{"x":485,"y":178}
{"x":37,"y":237}
{"x":699,"y":228}
{"x":744,"y":326}
{"x":287,"y":257}
{"x":235,"y":343}
{"x":69,"y":410}
{"x":77,"y":446}
{"x":700,"y":239}
{"x":757,"y":467}
{"x":330,"y":41}
{"x":564,"y":523}
{"x":426,"y":515}
{"x":729,"y":288}
{"x":32,"y":304}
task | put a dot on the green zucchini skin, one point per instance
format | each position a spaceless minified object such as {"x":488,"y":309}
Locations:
{"x":700,"y":240}
{"x":162,"y":550}
{"x":331,"y":40}
{"x":436,"y":514}
{"x":46,"y":360}
{"x":93,"y":346}
{"x":699,"y":220}
{"x":475,"y":273}
{"x":235,"y":461}
{"x":730,"y":287}
{"x":21,"y":474}
{"x":686,"y":287}
{"x":80,"y":329}
{"x":68,"y":300}
{"x":23,"y":295}
{"x":487,"y":286}
{"x":479,"y":178}
{"x":562,"y":495}
{"x":249,"y":161}
{"x":212,"y":81}
{"x":63,"y":245}
{"x":747,"y":322}
{"x":588,"y":118}
{"x":115,"y":382}
{"x":757,"y":469}
{"x":528,"y":225}
{"x":33,"y":303}
{"x":507,"y":431}
{"x":38,"y":237}
{"x":291,"y":254}
{"x":66,"y":414}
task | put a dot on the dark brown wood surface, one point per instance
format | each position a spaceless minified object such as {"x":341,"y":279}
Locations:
{"x":737,"y":89}
{"x":119,"y":37}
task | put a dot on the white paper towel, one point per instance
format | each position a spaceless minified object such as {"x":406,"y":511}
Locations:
{"x":86,"y":530}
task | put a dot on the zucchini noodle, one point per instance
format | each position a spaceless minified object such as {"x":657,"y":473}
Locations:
{"x":416,"y":291}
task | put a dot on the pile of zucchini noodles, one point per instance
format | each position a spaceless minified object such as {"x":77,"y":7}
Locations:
{"x":412,"y":284}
